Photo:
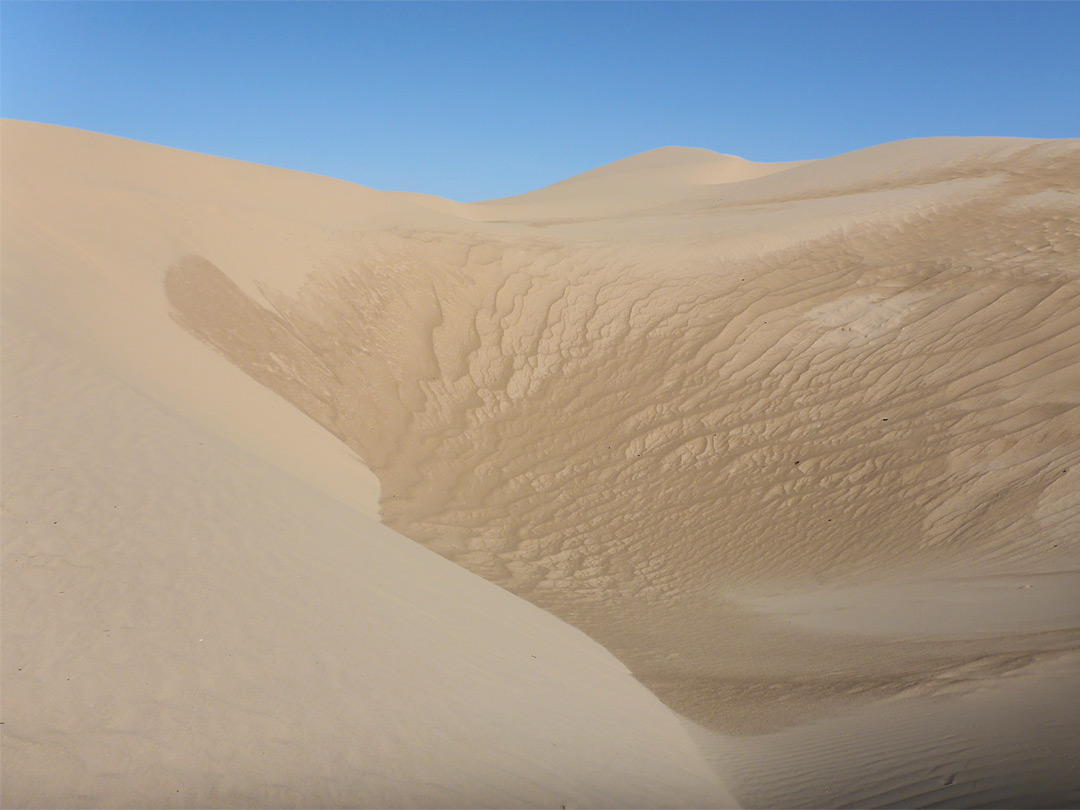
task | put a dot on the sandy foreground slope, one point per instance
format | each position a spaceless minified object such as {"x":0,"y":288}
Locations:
{"x":200,"y":608}
{"x":798,"y":444}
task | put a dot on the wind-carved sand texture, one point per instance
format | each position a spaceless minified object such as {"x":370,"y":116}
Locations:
{"x":797,"y":443}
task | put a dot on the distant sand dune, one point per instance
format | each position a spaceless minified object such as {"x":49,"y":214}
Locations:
{"x":706,"y":411}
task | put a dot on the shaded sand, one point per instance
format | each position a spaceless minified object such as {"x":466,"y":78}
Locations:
{"x":797,"y":443}
{"x":1006,"y":742}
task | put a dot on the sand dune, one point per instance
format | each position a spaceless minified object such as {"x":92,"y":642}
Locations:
{"x":199,"y":607}
{"x":625,"y":186}
{"x":797,"y":443}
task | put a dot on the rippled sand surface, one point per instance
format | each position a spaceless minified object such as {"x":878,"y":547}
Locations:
{"x":798,"y":444}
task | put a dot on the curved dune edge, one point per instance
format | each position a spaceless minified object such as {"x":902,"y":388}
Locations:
{"x":186,"y":626}
{"x":662,"y":417}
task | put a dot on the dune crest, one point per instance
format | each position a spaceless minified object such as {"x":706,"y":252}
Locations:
{"x":663,"y":167}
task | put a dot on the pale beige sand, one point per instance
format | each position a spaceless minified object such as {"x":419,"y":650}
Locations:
{"x":797,"y":443}
{"x":198,"y":608}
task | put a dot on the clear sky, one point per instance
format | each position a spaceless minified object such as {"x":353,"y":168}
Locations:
{"x":479,"y":100}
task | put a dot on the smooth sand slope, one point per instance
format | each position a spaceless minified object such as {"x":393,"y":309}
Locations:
{"x":797,"y":443}
{"x":199,"y":606}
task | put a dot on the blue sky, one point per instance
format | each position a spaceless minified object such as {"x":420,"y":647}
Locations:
{"x":479,"y":100}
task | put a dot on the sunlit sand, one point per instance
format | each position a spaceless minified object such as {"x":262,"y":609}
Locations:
{"x":685,"y":482}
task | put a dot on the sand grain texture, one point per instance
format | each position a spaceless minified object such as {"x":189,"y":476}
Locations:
{"x":797,"y":443}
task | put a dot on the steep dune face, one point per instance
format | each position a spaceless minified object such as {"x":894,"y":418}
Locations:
{"x":635,"y":434}
{"x":695,"y":407}
{"x":198,"y":608}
